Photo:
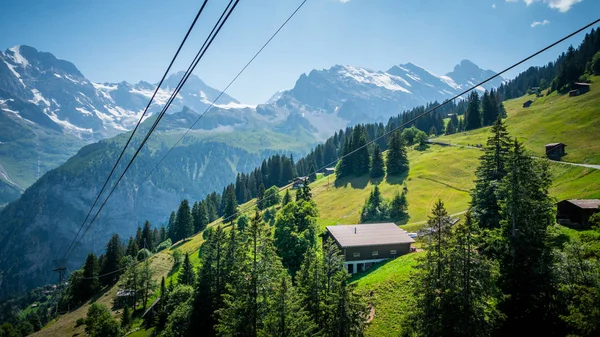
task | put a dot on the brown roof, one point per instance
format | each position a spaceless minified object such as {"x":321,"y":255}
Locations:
{"x":369,"y":234}
{"x":585,"y":203}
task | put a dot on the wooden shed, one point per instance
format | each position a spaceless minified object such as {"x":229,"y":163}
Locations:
{"x":576,"y":212}
{"x":579,"y":88}
{"x":329,"y":171}
{"x":555,"y":150}
{"x":366,"y":244}
{"x":527,"y":104}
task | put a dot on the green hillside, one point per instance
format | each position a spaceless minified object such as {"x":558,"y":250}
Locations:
{"x":436,"y":172}
{"x":574,"y":121}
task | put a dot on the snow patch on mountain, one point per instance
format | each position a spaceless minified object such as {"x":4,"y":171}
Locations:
{"x":379,"y":79}
{"x":37,"y":98}
{"x":17,"y":57}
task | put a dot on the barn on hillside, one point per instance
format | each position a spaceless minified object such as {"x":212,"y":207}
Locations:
{"x":366,"y":244}
{"x":576,"y":212}
{"x":527,"y":104}
{"x":579,"y":88}
{"x":555,"y":150}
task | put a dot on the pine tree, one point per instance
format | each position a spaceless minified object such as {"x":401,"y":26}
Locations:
{"x":304,"y":193}
{"x":231,"y":206}
{"x":172,"y":227}
{"x":126,"y":318}
{"x":90,"y":283}
{"x":287,"y":198}
{"x":187,"y":275}
{"x":473,"y":114}
{"x":450,"y":128}
{"x":491,"y":170}
{"x":397,"y":161}
{"x":377,"y":164}
{"x":161,"y":312}
{"x":526,"y":257}
{"x":286,"y":316}
{"x":112,"y":261}
{"x":260,"y":197}
{"x":399,"y":205}
{"x":139,"y":237}
{"x":184,"y":224}
{"x":163,"y":233}
{"x":147,"y":236}
{"x":344,"y":165}
{"x":132,"y":247}
{"x":360,"y":158}
{"x":313,"y":174}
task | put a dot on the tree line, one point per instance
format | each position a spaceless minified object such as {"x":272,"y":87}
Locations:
{"x":506,"y":269}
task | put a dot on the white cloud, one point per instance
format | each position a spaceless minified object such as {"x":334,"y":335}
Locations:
{"x":539,"y":23}
{"x":494,"y":6}
{"x":344,"y":1}
{"x":562,"y":5}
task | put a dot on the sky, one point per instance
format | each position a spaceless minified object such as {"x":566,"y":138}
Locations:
{"x":134,"y":40}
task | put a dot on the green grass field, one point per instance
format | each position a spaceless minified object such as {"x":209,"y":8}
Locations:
{"x":387,"y":289}
{"x":574,"y":121}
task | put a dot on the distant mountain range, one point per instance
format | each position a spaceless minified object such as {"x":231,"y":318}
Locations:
{"x":49,"y":111}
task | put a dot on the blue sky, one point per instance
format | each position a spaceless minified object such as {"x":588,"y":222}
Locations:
{"x":133,"y":40}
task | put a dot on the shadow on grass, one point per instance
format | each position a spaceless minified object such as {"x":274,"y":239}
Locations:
{"x":396,"y":179}
{"x":421,"y":147}
{"x":358,"y":276}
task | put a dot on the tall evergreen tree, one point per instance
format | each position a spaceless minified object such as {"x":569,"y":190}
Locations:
{"x":525,"y":256}
{"x":377,"y":164}
{"x":260,"y":197}
{"x":313,"y":174}
{"x":132,"y":248}
{"x":287,"y":198}
{"x":112,"y":261}
{"x":491,"y":171}
{"x":184,"y":223}
{"x":187,"y":275}
{"x":360,"y":158}
{"x":172,"y":227}
{"x":473,"y":114}
{"x":147,"y":237}
{"x":397,"y":160}
{"x":90,"y":283}
{"x":231,"y":206}
{"x":450,"y":128}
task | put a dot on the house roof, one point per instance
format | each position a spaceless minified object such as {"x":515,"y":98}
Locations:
{"x":585,"y":203}
{"x":554,"y":144}
{"x":376,"y":234}
{"x":330,"y":169}
{"x":582,"y":83}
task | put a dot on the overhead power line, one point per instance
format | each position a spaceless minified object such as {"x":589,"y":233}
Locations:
{"x":112,"y":171}
{"x":216,"y":29}
{"x":252,"y":203}
{"x":227,"y":87}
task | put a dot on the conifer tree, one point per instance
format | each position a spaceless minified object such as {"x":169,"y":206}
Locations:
{"x":90,"y":283}
{"x":525,"y":257}
{"x":184,"y":223}
{"x":112,"y":260}
{"x":161,"y":312}
{"x":450,"y":128}
{"x":287,"y":198}
{"x":147,"y":237}
{"x":132,"y":247}
{"x":163,"y":233}
{"x":126,"y":318}
{"x":172,"y":227}
{"x":344,"y":165}
{"x":139,"y":237}
{"x":260,"y":197}
{"x":397,"y":161}
{"x":304,"y":193}
{"x":399,"y":205}
{"x":360,"y":158}
{"x":231,"y":206}
{"x":187,"y":276}
{"x":491,"y":171}
{"x":473,"y":114}
{"x":313,"y":174}
{"x":377,"y":164}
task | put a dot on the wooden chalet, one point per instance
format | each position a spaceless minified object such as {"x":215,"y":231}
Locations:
{"x":299,"y":182}
{"x":576,"y":212}
{"x":366,"y":244}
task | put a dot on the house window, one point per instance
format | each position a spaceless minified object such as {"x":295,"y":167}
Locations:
{"x":393,"y":252}
{"x":375,"y":253}
{"x":356,"y":254}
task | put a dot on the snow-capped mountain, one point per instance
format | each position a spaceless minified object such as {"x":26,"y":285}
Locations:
{"x":92,"y":110}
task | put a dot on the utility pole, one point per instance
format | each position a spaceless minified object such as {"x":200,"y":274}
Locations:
{"x":61,"y":268}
